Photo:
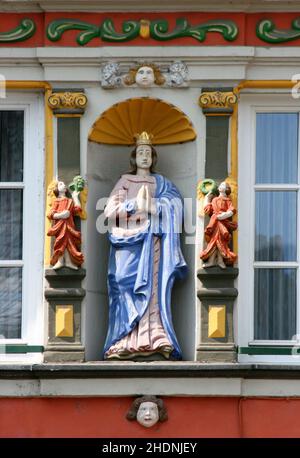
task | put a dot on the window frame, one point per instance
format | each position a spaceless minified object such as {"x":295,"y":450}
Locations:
{"x":250,"y":104}
{"x":32,"y":327}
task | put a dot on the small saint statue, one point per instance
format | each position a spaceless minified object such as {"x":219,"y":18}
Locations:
{"x":66,"y":249}
{"x":219,"y":229}
{"x":147,"y":411}
{"x":145,"y":211}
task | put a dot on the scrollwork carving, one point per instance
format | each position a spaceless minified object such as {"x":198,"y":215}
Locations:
{"x":67,"y":100}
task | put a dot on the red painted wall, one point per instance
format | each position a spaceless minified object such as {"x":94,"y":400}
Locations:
{"x":188,"y":417}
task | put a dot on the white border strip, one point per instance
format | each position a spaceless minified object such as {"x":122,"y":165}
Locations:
{"x":205,"y":387}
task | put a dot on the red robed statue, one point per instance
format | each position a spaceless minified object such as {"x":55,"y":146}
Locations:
{"x":218,"y":231}
{"x":67,"y":238}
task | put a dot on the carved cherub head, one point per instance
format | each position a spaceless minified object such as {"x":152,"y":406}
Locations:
{"x":147,"y":410}
{"x":144,"y":75}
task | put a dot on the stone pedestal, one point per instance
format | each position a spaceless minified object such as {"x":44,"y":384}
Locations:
{"x":217,"y":294}
{"x":64,"y":296}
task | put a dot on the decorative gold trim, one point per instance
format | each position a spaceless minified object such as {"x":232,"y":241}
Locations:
{"x":49,"y":160}
{"x":144,"y":29}
{"x":83,"y":201}
{"x":71,"y":115}
{"x":67,"y":101}
{"x":216,"y":321}
{"x":64,"y":321}
{"x":218,"y":100}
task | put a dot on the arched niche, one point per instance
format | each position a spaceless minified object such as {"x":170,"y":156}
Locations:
{"x":111,"y":140}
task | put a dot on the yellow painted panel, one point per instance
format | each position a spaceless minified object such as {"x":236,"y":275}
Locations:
{"x":216,"y":321}
{"x":64,"y":319}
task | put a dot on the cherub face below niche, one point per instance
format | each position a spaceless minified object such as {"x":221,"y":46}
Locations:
{"x":147,"y":415}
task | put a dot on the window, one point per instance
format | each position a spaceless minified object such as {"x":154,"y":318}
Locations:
{"x":11,"y":209}
{"x":269,"y":204}
{"x":21,"y":224}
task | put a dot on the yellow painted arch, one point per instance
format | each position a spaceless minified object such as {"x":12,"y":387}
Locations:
{"x":122,"y":121}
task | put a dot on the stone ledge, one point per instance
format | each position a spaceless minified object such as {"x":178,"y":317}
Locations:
{"x":154,"y":369}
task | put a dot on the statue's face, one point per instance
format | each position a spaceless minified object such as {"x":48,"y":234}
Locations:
{"x":222,"y":188}
{"x":61,"y":186}
{"x":144,"y":77}
{"x":144,"y":157}
{"x":147,"y":414}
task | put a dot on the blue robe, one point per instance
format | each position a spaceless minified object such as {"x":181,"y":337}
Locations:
{"x":130,"y":270}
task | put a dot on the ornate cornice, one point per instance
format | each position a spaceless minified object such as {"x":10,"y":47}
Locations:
{"x":68,"y":103}
{"x":149,"y":5}
{"x":173,"y":26}
{"x":217,"y":102}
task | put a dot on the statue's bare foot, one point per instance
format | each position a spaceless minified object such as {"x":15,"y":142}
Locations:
{"x":69,"y":262}
{"x":211,"y":261}
{"x":59,"y":264}
{"x":221,"y":262}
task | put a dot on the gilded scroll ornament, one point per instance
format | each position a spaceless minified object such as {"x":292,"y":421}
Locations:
{"x":67,"y":100}
{"x":217,"y":99}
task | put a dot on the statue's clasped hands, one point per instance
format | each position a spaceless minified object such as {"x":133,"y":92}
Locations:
{"x":144,"y":201}
{"x":221,"y":216}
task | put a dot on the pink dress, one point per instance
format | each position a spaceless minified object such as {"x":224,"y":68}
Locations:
{"x":149,"y":336}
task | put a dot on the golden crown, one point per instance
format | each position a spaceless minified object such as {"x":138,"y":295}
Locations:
{"x":143,"y":139}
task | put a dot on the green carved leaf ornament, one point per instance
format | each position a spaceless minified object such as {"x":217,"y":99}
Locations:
{"x":56,"y":29}
{"x":25,"y":30}
{"x":266,"y":31}
{"x":131,"y":30}
{"x":158,"y":30}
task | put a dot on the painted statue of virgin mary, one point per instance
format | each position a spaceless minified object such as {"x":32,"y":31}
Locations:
{"x":145,"y":211}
